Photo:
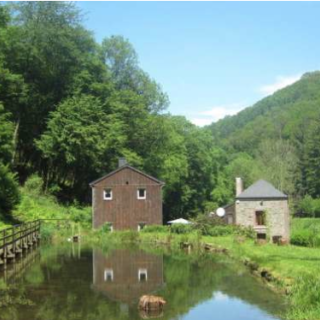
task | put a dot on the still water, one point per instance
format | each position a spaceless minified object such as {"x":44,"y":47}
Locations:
{"x":74,"y":283}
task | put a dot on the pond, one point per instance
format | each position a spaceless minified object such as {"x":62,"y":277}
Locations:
{"x":73,"y":283}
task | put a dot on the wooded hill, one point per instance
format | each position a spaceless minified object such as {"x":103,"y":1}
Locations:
{"x":70,"y":107}
{"x":282,"y":133}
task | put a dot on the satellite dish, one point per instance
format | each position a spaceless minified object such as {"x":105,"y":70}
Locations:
{"x":221,"y":212}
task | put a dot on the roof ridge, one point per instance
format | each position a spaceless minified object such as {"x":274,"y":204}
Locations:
{"x":91,"y":184}
{"x":262,"y":189}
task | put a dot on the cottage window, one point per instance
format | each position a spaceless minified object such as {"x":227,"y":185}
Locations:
{"x":107,"y":194}
{"x":260,"y":218}
{"x":108,"y":275}
{"x":143,"y":275}
{"x":142,"y":193}
{"x":141,"y":226}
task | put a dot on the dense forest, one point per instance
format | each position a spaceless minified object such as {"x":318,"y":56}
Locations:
{"x":70,"y":107}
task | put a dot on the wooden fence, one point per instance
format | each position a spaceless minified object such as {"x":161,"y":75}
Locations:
{"x":18,"y":239}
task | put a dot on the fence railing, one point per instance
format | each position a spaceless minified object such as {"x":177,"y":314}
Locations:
{"x":18,"y":238}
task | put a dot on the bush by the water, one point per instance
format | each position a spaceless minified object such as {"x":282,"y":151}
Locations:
{"x":155,"y":229}
{"x":181,"y":228}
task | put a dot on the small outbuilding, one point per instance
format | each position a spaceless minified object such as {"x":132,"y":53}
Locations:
{"x":126,"y":198}
{"x":262,"y":207}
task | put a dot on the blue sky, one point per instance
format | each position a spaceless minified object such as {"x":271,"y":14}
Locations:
{"x":215,"y":58}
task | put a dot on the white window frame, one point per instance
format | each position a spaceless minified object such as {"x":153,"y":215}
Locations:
{"x":108,"y":272}
{"x":104,"y":194}
{"x":143,"y":271}
{"x":145,"y":194}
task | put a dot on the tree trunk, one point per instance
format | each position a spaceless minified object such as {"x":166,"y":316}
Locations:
{"x":15,"y":141}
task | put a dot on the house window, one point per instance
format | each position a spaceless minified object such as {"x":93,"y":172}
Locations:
{"x":107,"y":194}
{"x":108,"y":275}
{"x":143,"y":275}
{"x":260,"y":218}
{"x":141,"y":226}
{"x":142,"y":193}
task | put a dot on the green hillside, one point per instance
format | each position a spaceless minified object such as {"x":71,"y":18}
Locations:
{"x":278,"y":138}
{"x":285,"y":114}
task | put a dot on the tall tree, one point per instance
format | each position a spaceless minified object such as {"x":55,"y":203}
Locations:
{"x":278,"y":163}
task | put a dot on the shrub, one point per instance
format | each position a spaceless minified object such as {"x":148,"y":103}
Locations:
{"x":47,"y":231}
{"x":155,"y":229}
{"x":247,"y":232}
{"x":204,"y":223}
{"x":34,"y":184}
{"x":309,"y":207}
{"x":128,"y":236}
{"x":220,"y":231}
{"x":9,"y":191}
{"x":179,"y":228}
{"x":81,"y":215}
{"x":105,"y":228}
{"x":305,"y":232}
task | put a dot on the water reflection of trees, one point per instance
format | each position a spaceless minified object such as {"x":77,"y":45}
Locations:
{"x":65,"y":286}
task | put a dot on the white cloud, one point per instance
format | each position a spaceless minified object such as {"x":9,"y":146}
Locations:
{"x":219,"y":296}
{"x":216,"y":113}
{"x":280,"y":83}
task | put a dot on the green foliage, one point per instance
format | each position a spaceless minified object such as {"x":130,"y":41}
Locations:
{"x":6,"y":133}
{"x":47,"y":231}
{"x":81,"y":215}
{"x":36,"y":204}
{"x":179,"y":228}
{"x":247,"y":232}
{"x":105,"y":228}
{"x":9,"y":192}
{"x":309,"y":207}
{"x":305,"y":297}
{"x":305,"y":232}
{"x":219,"y":231}
{"x":281,"y":135}
{"x":155,"y":229}
{"x":301,"y":238}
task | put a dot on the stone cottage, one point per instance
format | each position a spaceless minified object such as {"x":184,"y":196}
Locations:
{"x":262,"y":207}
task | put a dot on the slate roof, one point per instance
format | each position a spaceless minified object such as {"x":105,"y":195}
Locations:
{"x":262,"y":190}
{"x":123,"y":167}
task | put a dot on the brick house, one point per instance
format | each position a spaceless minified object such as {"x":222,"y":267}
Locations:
{"x":126,"y":198}
{"x":262,"y":207}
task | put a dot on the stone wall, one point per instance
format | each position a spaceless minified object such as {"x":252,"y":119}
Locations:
{"x":277,"y":215}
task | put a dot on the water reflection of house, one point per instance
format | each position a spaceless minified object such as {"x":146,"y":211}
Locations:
{"x":125,"y":275}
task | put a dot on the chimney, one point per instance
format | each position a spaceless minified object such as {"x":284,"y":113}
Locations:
{"x":239,"y":186}
{"x":122,"y":162}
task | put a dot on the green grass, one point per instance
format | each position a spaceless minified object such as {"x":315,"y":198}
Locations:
{"x":286,"y":262}
{"x":35,"y":204}
{"x":305,"y":232}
